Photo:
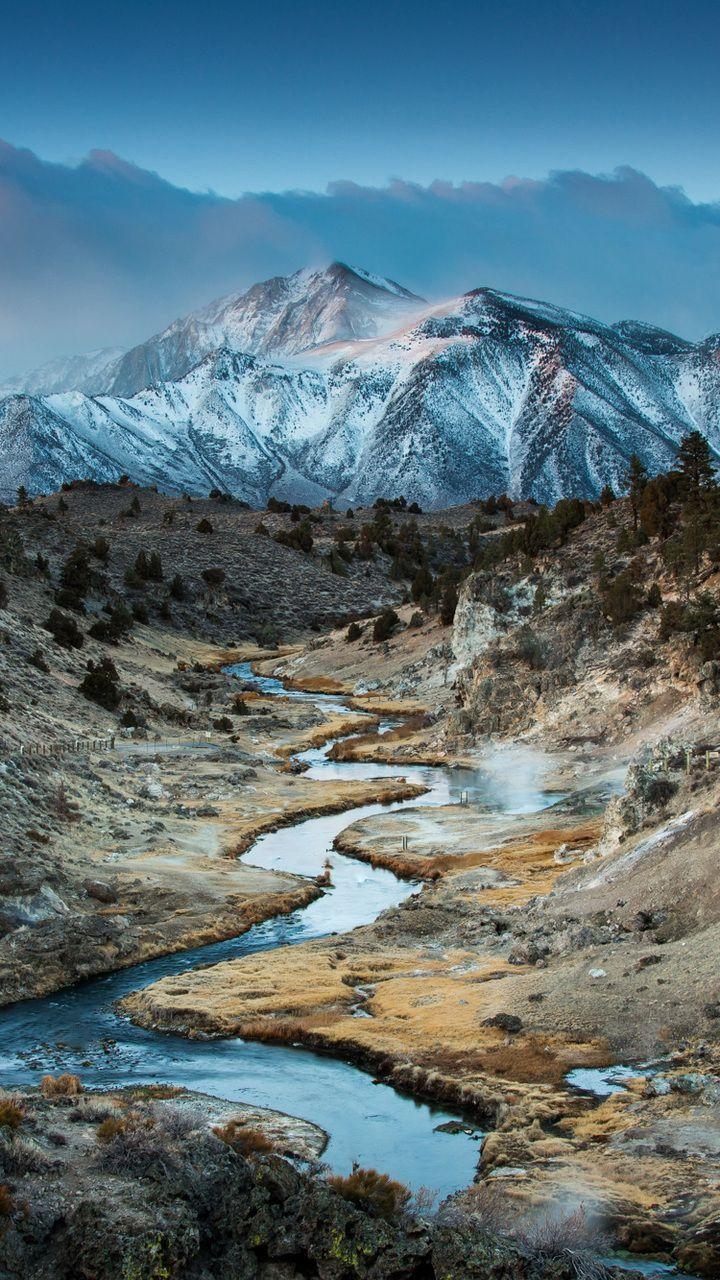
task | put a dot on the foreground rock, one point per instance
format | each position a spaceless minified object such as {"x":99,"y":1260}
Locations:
{"x":131,"y":1187}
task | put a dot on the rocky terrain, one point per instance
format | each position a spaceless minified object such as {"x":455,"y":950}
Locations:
{"x":568,"y":923}
{"x":148,"y":1183}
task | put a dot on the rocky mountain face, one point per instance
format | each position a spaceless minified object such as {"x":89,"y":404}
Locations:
{"x":319,"y":385}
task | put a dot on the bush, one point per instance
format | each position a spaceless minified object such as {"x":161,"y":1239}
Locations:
{"x":62,"y":806}
{"x":64,"y":630}
{"x":101,"y":684}
{"x":3,"y":593}
{"x":654,"y":596}
{"x":11,"y":1114}
{"x":374,"y":1192}
{"x":621,"y":600}
{"x":148,"y":568}
{"x":139,"y":612}
{"x":353,"y":633}
{"x":240,"y":706}
{"x":299,"y":538}
{"x":204,"y":526}
{"x":385,"y":625}
{"x":63,"y":1086}
{"x":101,"y":549}
{"x":112,"y":630}
{"x":177,"y":588}
{"x":243,"y":1139}
{"x":66,"y":598}
{"x":224,"y":724}
{"x":214,"y":577}
{"x":147,"y":1144}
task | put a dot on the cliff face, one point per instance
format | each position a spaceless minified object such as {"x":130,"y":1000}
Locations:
{"x":535,"y":652}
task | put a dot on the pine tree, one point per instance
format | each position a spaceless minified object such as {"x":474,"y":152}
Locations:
{"x":696,"y":467}
{"x":636,"y":478}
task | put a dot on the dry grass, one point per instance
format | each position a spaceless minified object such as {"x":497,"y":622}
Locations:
{"x":376,"y":1193}
{"x":63,"y":1086}
{"x":12,"y":1114}
{"x":243,"y":1138}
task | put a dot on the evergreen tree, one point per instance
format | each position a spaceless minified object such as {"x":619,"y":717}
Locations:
{"x":696,"y":467}
{"x":636,"y":477}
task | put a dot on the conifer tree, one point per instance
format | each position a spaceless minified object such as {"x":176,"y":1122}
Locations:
{"x":636,"y":478}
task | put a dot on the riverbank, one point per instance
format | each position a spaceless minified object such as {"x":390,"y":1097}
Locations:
{"x":485,"y":992}
{"x":154,"y":1183}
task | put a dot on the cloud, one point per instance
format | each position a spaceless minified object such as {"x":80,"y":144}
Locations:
{"x":105,"y":253}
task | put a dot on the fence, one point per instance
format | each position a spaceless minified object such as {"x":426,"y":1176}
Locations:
{"x":78,"y":746}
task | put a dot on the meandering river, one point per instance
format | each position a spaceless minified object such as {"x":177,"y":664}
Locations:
{"x":80,"y":1029}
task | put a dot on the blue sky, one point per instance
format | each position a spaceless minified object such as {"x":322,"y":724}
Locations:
{"x":275,"y":95}
{"x":157,"y":155}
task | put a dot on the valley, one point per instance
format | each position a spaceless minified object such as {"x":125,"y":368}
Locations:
{"x":425,"y":799}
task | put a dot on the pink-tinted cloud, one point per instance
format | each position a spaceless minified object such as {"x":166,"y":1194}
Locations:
{"x":105,"y":253}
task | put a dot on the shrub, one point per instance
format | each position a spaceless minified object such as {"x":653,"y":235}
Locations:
{"x":243,"y":1139}
{"x":64,"y":630}
{"x":672,"y":618}
{"x":62,"y":806}
{"x":100,"y":549}
{"x":139,"y":611}
{"x":148,"y":568}
{"x":224,"y":724}
{"x":3,"y":593}
{"x":62,"y":1086}
{"x":150,"y":1143}
{"x":66,"y":598}
{"x":204,"y":526}
{"x":375,"y":1192}
{"x":101,"y":684}
{"x":385,"y":625}
{"x":111,"y":630}
{"x":11,"y":1114}
{"x":354,"y":632}
{"x":654,"y":596}
{"x":214,"y":577}
{"x":299,"y":538}
{"x":621,"y":600}
{"x":177,"y":588}
{"x":240,"y":706}
{"x":422,"y":585}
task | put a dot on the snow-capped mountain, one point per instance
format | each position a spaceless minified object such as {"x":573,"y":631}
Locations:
{"x":282,"y":317}
{"x":88,"y":372}
{"x":313,"y":396}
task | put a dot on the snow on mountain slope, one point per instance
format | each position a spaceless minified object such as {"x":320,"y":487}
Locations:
{"x":282,"y":317}
{"x":82,"y":373}
{"x":485,"y":393}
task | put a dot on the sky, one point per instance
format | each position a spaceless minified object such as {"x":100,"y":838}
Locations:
{"x":262,"y":119}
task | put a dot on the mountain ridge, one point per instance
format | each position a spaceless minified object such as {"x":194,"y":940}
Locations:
{"x":339,"y":384}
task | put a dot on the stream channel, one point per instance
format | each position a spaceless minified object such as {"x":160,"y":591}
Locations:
{"x":79,"y":1029}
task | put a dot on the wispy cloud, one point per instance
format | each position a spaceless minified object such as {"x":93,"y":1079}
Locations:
{"x":105,"y":253}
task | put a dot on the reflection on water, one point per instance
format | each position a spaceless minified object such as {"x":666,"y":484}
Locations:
{"x":80,"y":1030}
